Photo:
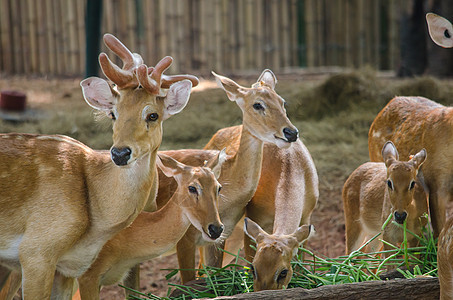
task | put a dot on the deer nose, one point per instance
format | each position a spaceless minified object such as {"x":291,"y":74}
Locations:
{"x":290,"y":134}
{"x":400,"y":217}
{"x":120,"y":156}
{"x":215,"y":231}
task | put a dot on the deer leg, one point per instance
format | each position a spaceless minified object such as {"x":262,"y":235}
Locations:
{"x":437,"y":201}
{"x":213,"y":254}
{"x":11,"y":286}
{"x":4,"y":276}
{"x":133,"y":280}
{"x":63,"y":287}
{"x":185,"y":250}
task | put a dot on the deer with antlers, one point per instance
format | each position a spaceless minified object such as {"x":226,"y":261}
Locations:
{"x":375,"y":190}
{"x":194,"y":202}
{"x":62,"y":201}
{"x":264,"y":120}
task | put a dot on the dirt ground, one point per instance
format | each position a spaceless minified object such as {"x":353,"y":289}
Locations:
{"x":63,"y":99}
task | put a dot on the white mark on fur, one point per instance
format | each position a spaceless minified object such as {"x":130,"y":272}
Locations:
{"x":12,"y":249}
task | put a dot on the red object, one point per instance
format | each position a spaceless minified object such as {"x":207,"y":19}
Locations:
{"x":13,"y":100}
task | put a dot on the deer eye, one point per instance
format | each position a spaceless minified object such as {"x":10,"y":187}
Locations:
{"x":390,"y":184}
{"x":412,"y":185}
{"x":220,"y":188}
{"x":152,"y":117}
{"x":112,"y":116}
{"x":282,"y":275}
{"x":258,"y":106}
{"x":193,"y":190}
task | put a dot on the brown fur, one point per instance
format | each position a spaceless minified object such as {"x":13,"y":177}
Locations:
{"x":144,"y":238}
{"x":62,"y":200}
{"x":368,"y":201}
{"x":240,"y":173}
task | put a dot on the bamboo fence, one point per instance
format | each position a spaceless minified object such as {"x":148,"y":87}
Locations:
{"x":47,"y":37}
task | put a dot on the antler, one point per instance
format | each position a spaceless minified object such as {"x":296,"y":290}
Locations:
{"x":152,"y":78}
{"x":124,"y":77}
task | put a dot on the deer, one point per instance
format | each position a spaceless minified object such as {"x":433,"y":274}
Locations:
{"x":375,"y":190}
{"x":440,"y":31}
{"x":264,"y":121}
{"x":193,"y":203}
{"x":271,"y":266}
{"x":412,"y":122}
{"x":61,"y":200}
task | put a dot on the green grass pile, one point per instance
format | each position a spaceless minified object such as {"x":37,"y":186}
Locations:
{"x":312,"y":270}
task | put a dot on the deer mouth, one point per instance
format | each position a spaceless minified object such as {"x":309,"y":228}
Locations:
{"x":281,"y":142}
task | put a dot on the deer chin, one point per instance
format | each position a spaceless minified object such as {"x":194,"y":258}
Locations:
{"x":281,"y":142}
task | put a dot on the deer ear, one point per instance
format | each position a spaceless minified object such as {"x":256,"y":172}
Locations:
{"x":233,"y":90}
{"x":419,"y":158}
{"x":215,"y":163}
{"x":98,"y":94}
{"x":267,"y":78}
{"x":177,"y":98}
{"x":303,"y":232}
{"x":389,"y":153}
{"x":252,"y":229}
{"x":169,"y":166}
{"x":440,"y":30}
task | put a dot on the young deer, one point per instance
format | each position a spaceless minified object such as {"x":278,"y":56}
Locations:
{"x":412,"y":122}
{"x":194,"y":202}
{"x":271,"y":266}
{"x":264,"y":120}
{"x":62,"y":201}
{"x":374,"y":190}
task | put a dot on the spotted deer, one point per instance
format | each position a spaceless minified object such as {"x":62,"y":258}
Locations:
{"x":264,"y":120}
{"x":62,"y":201}
{"x":374,"y":191}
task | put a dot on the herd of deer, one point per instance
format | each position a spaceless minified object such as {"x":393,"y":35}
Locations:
{"x":72,"y":216}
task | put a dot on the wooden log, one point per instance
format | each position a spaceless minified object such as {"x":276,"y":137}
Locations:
{"x":411,"y":289}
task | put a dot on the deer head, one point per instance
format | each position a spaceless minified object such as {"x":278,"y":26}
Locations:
{"x":198,"y":192}
{"x":271,"y":266}
{"x":138,"y":104}
{"x":401,"y":180}
{"x":264,"y":113}
{"x":440,"y":30}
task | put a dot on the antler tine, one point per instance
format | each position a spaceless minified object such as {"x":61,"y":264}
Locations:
{"x":152,"y":81}
{"x":130,"y":61}
{"x":123,"y":78}
{"x":169,"y":80}
{"x":147,"y":82}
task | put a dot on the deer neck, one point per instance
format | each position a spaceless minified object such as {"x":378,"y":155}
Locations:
{"x":124,"y":192}
{"x":245,"y":169}
{"x":158,"y":232}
